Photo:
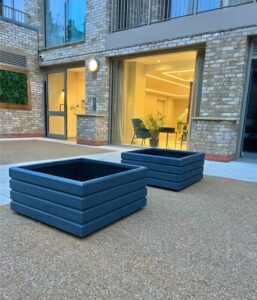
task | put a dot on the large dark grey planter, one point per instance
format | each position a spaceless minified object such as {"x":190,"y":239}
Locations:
{"x":169,"y":169}
{"x":79,"y":196}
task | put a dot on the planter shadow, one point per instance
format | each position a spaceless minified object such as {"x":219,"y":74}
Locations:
{"x":169,"y":169}
{"x":78,"y":196}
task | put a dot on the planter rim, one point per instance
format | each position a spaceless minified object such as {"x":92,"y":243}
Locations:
{"x":190,"y":153}
{"x":29,"y":169}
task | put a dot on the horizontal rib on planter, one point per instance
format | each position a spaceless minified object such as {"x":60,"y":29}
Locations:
{"x":79,"y":196}
{"x":169,"y":169}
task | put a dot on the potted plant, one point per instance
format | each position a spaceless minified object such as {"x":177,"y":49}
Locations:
{"x":154,"y":123}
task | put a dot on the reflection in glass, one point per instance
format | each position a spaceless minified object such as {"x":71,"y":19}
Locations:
{"x":12,"y":9}
{"x":55,"y":22}
{"x":181,"y":8}
{"x":250,"y":135}
{"x":75,"y":16}
{"x":65,"y":21}
{"x":204,"y":5}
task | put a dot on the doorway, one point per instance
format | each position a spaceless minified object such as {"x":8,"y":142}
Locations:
{"x":249,"y":147}
{"x":65,"y":100}
{"x":153,"y":89}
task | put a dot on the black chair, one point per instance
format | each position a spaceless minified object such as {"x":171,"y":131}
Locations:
{"x":140,"y":131}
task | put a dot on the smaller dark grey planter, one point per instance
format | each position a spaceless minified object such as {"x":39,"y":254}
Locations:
{"x":79,"y":196}
{"x":169,"y":169}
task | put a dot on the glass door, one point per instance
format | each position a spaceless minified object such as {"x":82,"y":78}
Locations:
{"x":250,"y":130}
{"x":56,"y":105}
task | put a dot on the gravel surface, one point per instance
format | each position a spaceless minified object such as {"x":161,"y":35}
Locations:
{"x":200,"y":243}
{"x":23,"y":151}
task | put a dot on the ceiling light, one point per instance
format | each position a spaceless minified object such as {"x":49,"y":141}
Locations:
{"x":166,"y":80}
{"x":180,"y":71}
{"x":164,"y":93}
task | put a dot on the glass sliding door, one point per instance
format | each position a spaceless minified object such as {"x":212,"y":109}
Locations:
{"x":250,"y":131}
{"x":151,"y":99}
{"x":56,"y":105}
{"x":117,"y":103}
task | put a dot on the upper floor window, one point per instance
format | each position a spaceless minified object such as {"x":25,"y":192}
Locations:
{"x":132,"y":13}
{"x":12,"y":9}
{"x":64,"y":21}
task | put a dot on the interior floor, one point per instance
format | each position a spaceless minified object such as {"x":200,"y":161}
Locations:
{"x":172,"y":143}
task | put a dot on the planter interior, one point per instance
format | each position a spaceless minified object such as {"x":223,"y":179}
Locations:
{"x":79,"y":170}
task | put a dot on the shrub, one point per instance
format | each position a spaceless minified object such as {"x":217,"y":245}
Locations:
{"x":13,"y":87}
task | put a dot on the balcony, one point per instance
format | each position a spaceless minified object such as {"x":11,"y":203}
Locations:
{"x":14,"y":15}
{"x":127,"y":14}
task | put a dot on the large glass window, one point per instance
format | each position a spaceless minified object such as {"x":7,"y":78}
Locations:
{"x":65,"y":21}
{"x":151,"y":99}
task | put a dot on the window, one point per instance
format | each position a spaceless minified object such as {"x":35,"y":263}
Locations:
{"x":204,"y":5}
{"x":12,"y":9}
{"x":65,"y":21}
{"x":151,"y":99}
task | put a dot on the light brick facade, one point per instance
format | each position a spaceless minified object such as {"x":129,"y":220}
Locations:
{"x":18,"y":122}
{"x":223,"y":88}
{"x":215,"y":129}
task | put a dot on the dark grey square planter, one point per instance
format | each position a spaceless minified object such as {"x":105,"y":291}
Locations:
{"x":78,"y":196}
{"x":169,"y":169}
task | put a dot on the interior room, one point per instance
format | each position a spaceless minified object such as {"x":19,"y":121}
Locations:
{"x":75,"y":99}
{"x":65,"y":102}
{"x":155,"y":94}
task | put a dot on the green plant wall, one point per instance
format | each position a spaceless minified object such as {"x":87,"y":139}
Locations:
{"x":13,"y":87}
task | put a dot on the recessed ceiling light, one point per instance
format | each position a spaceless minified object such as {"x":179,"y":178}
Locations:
{"x":166,"y":94}
{"x":170,"y":81}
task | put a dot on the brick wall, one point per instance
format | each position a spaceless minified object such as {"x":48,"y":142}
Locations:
{"x":17,"y":122}
{"x":97,"y":27}
{"x":215,"y":130}
{"x":222,"y":90}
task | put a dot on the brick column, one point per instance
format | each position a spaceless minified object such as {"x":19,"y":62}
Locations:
{"x":90,"y":130}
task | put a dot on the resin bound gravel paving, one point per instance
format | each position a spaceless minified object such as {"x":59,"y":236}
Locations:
{"x":32,"y":150}
{"x":200,"y":243}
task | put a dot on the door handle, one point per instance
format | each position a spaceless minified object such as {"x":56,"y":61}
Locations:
{"x":60,"y":107}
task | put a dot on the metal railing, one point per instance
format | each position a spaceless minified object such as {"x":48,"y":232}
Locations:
{"x":13,"y":14}
{"x":133,"y":13}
